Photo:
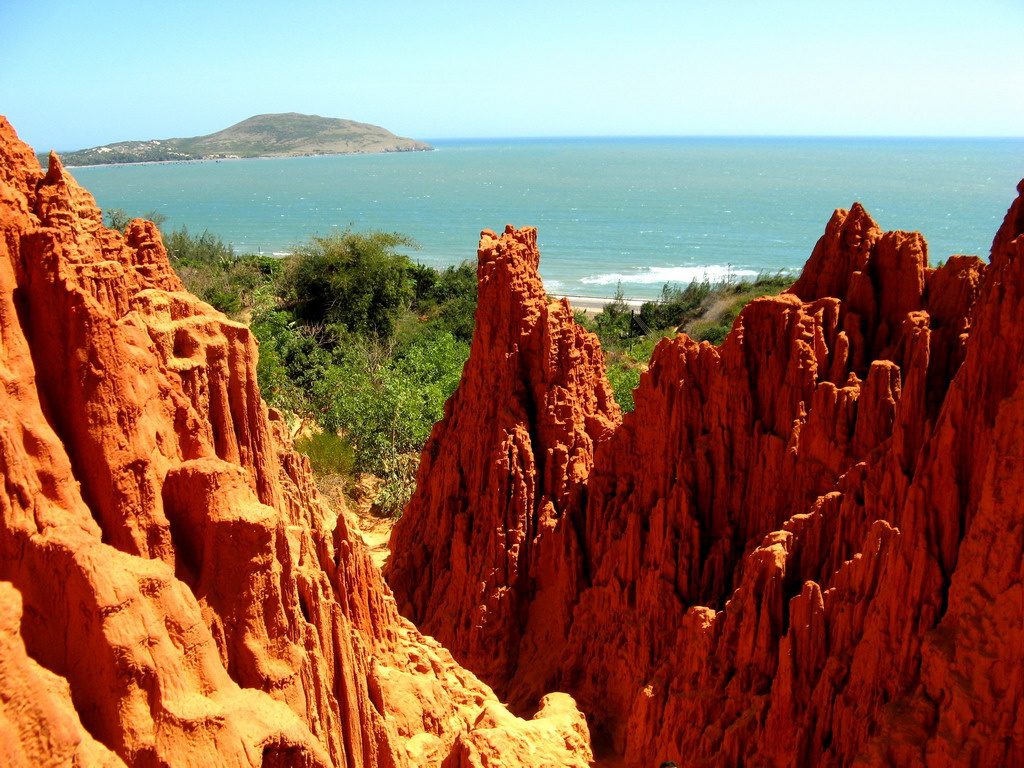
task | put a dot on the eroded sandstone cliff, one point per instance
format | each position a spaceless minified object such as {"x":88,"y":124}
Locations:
{"x":518,"y":441}
{"x":803,"y":547}
{"x":172,"y":590}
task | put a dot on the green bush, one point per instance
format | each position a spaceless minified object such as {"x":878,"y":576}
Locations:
{"x":119,"y":218}
{"x":612,"y":322}
{"x":355,"y":282}
{"x":624,"y":366}
{"x":207,"y":248}
{"x":388,"y":409}
{"x":291,"y":361}
{"x":211,"y":270}
{"x":676,"y":305}
{"x":353,"y":336}
{"x":385,"y":406}
{"x":624,"y":378}
{"x":714,"y":331}
{"x":583,"y":319}
{"x":398,"y":486}
{"x":445,"y":299}
{"x":769,"y":283}
{"x":328,"y":454}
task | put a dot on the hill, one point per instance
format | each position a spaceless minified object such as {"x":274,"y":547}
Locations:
{"x":281,"y":135}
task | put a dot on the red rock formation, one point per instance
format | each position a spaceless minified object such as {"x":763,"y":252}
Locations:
{"x":802,"y":548}
{"x":38,"y":725}
{"x":483,"y":558}
{"x":177,"y":594}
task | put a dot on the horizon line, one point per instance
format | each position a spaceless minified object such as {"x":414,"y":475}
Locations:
{"x":548,"y":137}
{"x":609,"y":136}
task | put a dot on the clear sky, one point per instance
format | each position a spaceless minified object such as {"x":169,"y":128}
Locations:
{"x":75,"y":74}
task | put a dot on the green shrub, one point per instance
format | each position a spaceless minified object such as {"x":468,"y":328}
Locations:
{"x":388,"y":408}
{"x":352,"y":336}
{"x":328,"y":454}
{"x":385,"y":405}
{"x":714,"y":331}
{"x":676,"y":305}
{"x":119,"y":218}
{"x":446,"y":298}
{"x":612,"y":322}
{"x":624,"y":378}
{"x":353,"y":281}
{"x":398,"y":486}
{"x":207,"y":248}
{"x":583,"y":319}
{"x":291,"y":361}
{"x":212,"y":271}
{"x":773,"y":282}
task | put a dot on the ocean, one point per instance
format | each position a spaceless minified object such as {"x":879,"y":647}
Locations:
{"x":635,"y":212}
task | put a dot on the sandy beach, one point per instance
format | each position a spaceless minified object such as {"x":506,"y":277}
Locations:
{"x":593,"y":305}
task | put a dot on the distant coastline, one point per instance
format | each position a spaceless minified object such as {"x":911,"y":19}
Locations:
{"x":259,"y":137}
{"x":197,"y":160}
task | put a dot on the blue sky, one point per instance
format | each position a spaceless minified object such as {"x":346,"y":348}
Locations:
{"x":76,"y":74}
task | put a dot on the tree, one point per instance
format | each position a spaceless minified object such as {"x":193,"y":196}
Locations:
{"x":613,"y":321}
{"x":448,"y":297}
{"x":352,"y":281}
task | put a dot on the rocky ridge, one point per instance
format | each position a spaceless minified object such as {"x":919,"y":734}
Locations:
{"x":802,"y":548}
{"x":172,"y":589}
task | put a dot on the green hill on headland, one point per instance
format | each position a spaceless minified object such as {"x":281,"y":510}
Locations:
{"x":283,"y":135}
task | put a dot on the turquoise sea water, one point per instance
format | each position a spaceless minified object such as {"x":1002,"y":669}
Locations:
{"x":639,"y":211}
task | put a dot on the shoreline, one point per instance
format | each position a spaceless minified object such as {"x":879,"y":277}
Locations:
{"x":593,"y":305}
{"x":231,"y":159}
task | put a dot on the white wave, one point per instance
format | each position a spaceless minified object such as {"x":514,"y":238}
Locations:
{"x":714,"y":273}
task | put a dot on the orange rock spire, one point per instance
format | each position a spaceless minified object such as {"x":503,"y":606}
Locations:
{"x":172,"y":590}
{"x":802,"y":548}
{"x":483,"y":557}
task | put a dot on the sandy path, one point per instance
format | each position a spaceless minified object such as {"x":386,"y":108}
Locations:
{"x":376,"y":531}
